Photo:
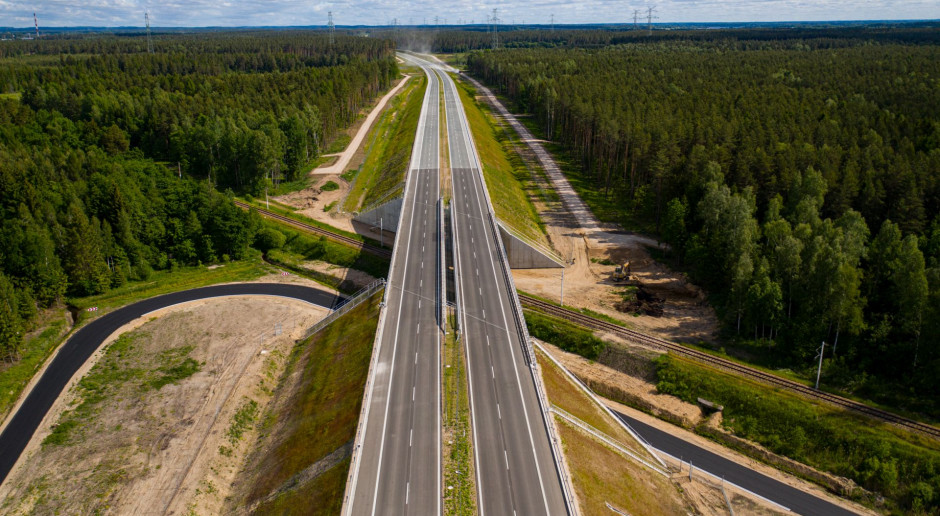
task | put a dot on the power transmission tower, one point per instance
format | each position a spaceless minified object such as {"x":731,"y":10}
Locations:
{"x":636,"y":15}
{"x":149,"y":38}
{"x":495,"y":20}
{"x":553,"y":22}
{"x":36,"y":22}
{"x":332,"y":28}
{"x":649,"y":18}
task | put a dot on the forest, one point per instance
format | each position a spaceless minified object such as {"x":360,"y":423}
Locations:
{"x":115,"y":162}
{"x":796,"y":178}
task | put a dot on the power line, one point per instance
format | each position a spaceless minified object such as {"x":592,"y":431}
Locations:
{"x":649,"y":18}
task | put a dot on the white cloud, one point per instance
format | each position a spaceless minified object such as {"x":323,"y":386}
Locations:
{"x":199,"y":13}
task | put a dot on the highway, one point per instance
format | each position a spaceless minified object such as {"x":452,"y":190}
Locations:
{"x":515,"y":469}
{"x":399,"y":464}
{"x":80,"y":346}
{"x":794,"y":499}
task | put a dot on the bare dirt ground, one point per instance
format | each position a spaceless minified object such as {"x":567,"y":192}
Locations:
{"x":157,"y":451}
{"x":311,"y":202}
{"x":643,"y":393}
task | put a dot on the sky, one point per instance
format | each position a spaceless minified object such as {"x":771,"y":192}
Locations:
{"x":202,"y":13}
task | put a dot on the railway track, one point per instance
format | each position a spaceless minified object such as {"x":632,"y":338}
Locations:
{"x":336,"y":237}
{"x":727,"y":365}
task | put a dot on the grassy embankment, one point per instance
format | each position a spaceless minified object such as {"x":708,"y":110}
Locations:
{"x":600,"y":473}
{"x":902,"y":466}
{"x":508,"y":180}
{"x":391,"y":139}
{"x":457,"y":440}
{"x":291,"y":213}
{"x":317,"y":409}
{"x":54,"y":328}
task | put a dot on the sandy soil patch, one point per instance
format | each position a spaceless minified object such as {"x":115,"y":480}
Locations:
{"x":312,"y":201}
{"x":152,"y":449}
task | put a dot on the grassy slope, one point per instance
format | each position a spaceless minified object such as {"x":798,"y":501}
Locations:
{"x":599,"y":473}
{"x":36,"y":350}
{"x":320,"y":399}
{"x":389,"y":151}
{"x":507,"y":178}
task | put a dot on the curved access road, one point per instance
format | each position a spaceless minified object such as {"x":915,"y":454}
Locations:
{"x":81,"y":345}
{"x":797,"y":501}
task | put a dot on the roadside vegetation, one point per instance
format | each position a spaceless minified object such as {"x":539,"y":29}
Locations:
{"x":507,"y":178}
{"x":902,"y":466}
{"x":457,"y":446}
{"x":389,"y":148}
{"x":314,"y":418}
{"x":567,"y":336}
{"x":289,"y":246}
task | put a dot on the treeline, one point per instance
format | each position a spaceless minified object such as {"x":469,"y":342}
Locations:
{"x":451,"y":41}
{"x":104,"y":158}
{"x":239,"y":110}
{"x":800,"y":186}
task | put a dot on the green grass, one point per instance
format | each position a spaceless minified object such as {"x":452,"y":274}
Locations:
{"x":902,"y":466}
{"x":458,"y":448}
{"x":338,"y":144}
{"x":183,"y":278}
{"x":312,"y":247}
{"x":329,"y":186}
{"x":330,"y":206}
{"x":390,"y":140}
{"x":242,"y":421}
{"x":287,"y":211}
{"x":507,"y":178}
{"x":294,"y":263}
{"x":326,"y":491}
{"x":287,"y":187}
{"x":321,"y":392}
{"x":11,"y":96}
{"x":15,"y":376}
{"x":567,"y":336}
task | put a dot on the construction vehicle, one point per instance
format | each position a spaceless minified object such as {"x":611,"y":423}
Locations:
{"x":622,"y":273}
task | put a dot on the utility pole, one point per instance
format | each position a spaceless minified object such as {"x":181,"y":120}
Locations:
{"x":819,"y":371}
{"x":562,"y":303}
{"x":332,"y":28}
{"x":149,"y":38}
{"x":649,"y":18}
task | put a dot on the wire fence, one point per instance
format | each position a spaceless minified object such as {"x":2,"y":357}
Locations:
{"x":351,"y":302}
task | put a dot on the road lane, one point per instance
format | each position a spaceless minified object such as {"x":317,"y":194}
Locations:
{"x":398,"y":471}
{"x":515,"y":468}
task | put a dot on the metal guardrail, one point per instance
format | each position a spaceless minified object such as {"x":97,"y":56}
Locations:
{"x":587,"y":390}
{"x":560,"y":465}
{"x":605,"y":438}
{"x":347,"y":305}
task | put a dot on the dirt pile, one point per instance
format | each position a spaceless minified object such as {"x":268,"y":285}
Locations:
{"x":642,"y":301}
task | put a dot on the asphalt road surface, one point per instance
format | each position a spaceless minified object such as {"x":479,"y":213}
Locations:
{"x":516,"y":472}
{"x":797,"y":501}
{"x":80,"y":346}
{"x":399,"y":466}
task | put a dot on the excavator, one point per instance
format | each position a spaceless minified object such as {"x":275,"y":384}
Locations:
{"x":622,"y":273}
